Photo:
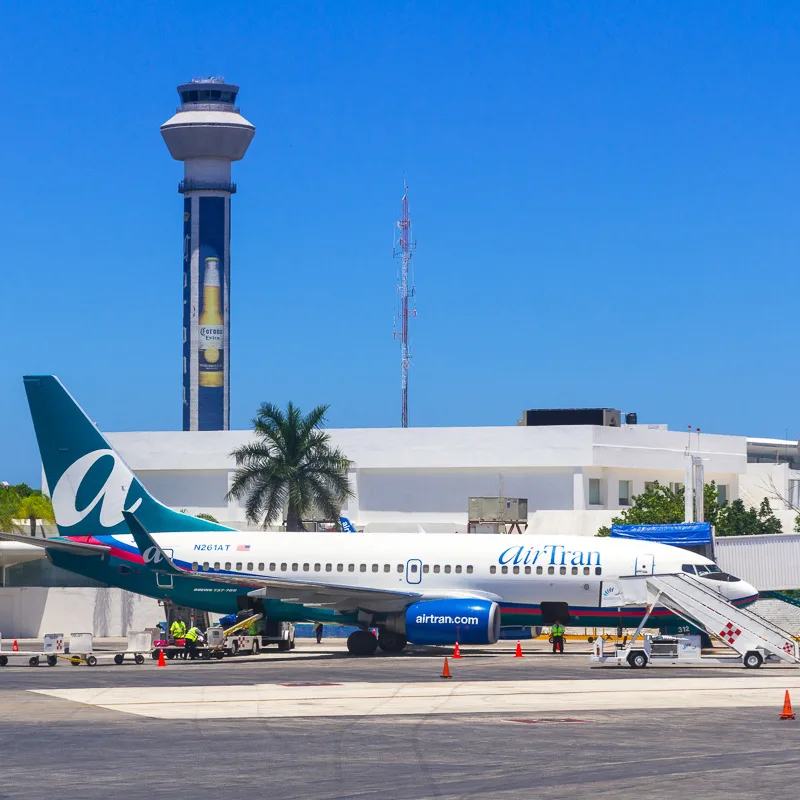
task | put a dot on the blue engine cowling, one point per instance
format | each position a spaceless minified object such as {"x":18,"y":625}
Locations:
{"x":464,"y":621}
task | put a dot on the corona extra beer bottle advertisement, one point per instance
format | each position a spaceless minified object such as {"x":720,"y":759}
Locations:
{"x":211,"y":320}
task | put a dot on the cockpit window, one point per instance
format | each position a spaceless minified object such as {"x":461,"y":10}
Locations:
{"x":702,"y":569}
{"x":688,"y":568}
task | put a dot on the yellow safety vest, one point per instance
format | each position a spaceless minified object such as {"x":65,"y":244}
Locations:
{"x":177,"y":629}
{"x":557,"y":630}
{"x":192,"y":634}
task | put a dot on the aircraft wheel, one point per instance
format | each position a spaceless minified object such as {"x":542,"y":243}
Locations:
{"x":362,"y":643}
{"x":391,"y":642}
{"x":753,"y":659}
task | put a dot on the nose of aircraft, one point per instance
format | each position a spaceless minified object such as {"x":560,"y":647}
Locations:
{"x":745,"y":591}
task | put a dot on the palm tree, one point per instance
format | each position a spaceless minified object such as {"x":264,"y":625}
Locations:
{"x":33,"y":507}
{"x":290,"y":464}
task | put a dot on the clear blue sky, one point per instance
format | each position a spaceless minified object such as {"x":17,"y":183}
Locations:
{"x":596,"y":189}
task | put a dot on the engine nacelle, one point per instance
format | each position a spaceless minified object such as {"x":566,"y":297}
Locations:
{"x":466,"y":621}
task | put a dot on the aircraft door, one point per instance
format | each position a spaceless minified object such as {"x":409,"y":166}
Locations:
{"x":645,"y":564}
{"x":413,"y":571}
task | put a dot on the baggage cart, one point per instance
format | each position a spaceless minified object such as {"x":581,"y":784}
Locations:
{"x":139,"y":643}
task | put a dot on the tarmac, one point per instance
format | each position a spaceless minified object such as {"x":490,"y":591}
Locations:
{"x":317,"y":723}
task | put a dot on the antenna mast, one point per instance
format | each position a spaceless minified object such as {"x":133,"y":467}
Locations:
{"x":404,"y":247}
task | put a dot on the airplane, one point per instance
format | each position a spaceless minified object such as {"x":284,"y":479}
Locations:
{"x":418,"y":588}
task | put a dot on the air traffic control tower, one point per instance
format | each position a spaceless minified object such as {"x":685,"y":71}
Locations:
{"x":207,"y":133}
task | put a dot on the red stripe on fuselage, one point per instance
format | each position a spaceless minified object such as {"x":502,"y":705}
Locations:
{"x":124,"y":555}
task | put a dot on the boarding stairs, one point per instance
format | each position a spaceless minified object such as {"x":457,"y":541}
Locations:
{"x":696,"y":602}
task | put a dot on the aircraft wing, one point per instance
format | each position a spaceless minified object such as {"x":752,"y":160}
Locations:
{"x":76,"y":548}
{"x":309,"y":593}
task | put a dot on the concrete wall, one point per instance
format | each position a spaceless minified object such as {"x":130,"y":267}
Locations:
{"x":30,"y":612}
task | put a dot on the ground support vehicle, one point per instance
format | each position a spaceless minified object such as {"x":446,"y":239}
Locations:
{"x":139,"y":643}
{"x":751,"y":636}
{"x":239,"y":640}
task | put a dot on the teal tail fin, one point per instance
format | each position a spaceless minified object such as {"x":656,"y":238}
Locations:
{"x":90,"y":484}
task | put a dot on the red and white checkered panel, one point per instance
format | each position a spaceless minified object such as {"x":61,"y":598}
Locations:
{"x":729,"y":633}
{"x":789,"y":648}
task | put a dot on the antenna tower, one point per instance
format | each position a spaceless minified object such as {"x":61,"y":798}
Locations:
{"x":404,"y":246}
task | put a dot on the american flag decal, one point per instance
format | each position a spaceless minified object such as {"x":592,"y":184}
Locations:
{"x":242,"y":547}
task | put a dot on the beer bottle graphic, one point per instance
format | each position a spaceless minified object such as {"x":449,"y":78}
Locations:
{"x":212,"y":354}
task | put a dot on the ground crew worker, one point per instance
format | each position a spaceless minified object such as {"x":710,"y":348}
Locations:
{"x":178,"y":629}
{"x":557,"y":634}
{"x":318,"y":627}
{"x":190,"y":641}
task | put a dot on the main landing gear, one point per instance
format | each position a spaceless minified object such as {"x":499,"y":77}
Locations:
{"x":364,"y":642}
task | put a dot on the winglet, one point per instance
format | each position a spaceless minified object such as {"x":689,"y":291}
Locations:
{"x":152,"y":555}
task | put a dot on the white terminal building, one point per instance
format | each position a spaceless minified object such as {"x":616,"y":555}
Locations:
{"x":573,"y":478}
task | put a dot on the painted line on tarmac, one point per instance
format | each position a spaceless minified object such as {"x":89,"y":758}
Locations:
{"x":390,"y":699}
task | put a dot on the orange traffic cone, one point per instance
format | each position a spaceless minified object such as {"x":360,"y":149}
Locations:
{"x":787,"y":712}
{"x":456,"y":651}
{"x":161,"y":661}
{"x":446,"y":670}
{"x":15,"y":647}
{"x":518,"y":654}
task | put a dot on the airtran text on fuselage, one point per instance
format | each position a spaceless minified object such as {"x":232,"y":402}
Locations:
{"x":550,"y":554}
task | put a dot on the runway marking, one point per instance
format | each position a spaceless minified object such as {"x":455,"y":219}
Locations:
{"x":475,"y":697}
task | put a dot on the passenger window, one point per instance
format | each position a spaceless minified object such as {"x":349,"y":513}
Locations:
{"x":492,"y":569}
{"x":388,"y":568}
{"x":539,"y":570}
{"x":329,"y":568}
{"x":425,"y":568}
{"x":340,"y":567}
{"x":194,"y":566}
{"x":249,"y":566}
{"x":317,"y":567}
{"x":205,"y":565}
{"x":283,"y":567}
{"x":351,"y":567}
{"x":551,"y":570}
{"x":437,"y":568}
{"x":469,"y":569}
{"x":527,"y":570}
{"x":400,"y":568}
{"x":294,"y":567}
{"x":227,"y":565}
{"x":305,"y":567}
{"x":574,"y":570}
{"x":504,"y":570}
{"x":447,"y":568}
{"x":598,"y":571}
{"x":586,"y":571}
{"x":688,"y":568}
{"x":375,"y":567}
{"x":271,"y":567}
{"x":414,"y":568}
{"x":562,"y":570}
{"x":516,"y":570}
{"x":238,"y":566}
{"x":363,"y":567}
{"x":458,"y":568}
{"x":216,"y":565}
